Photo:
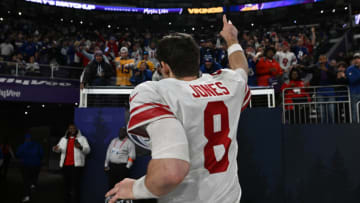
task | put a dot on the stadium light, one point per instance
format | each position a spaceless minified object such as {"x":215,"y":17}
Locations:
{"x":193,"y":29}
{"x":118,"y":28}
{"x":26,"y":113}
{"x":43,"y":105}
{"x":9,"y":12}
{"x":1,"y":19}
{"x":20,"y":13}
{"x":333,"y":10}
{"x":71,"y":21}
{"x":61,"y":19}
{"x":212,"y":26}
{"x":322,"y":11}
{"x":81,"y":22}
{"x":252,"y":24}
{"x":169,"y":23}
{"x":109,"y":26}
{"x":295,"y":21}
{"x":346,"y":8}
{"x":28,"y":106}
{"x":76,"y":103}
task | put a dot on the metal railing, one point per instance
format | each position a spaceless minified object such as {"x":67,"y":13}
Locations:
{"x":119,"y":96}
{"x":316,"y":105}
{"x":52,"y":71}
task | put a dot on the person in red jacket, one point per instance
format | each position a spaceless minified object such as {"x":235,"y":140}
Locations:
{"x":267,"y":68}
{"x":295,"y":92}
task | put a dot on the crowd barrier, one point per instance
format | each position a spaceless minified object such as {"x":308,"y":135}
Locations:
{"x":117,"y":96}
{"x":49,"y":71}
{"x":316,"y":105}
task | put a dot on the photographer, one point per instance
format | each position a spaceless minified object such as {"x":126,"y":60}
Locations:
{"x":73,"y":148}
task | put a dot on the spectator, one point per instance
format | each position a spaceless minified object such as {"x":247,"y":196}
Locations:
{"x":267,"y":68}
{"x":206,"y":50}
{"x":136,"y":53}
{"x":73,"y":148}
{"x":286,"y":59}
{"x":150,"y":64}
{"x":294,"y":92}
{"x":325,"y":75}
{"x":301,"y":52}
{"x":157,"y":76}
{"x":4,"y":69}
{"x":124,"y":67}
{"x":209,"y":66}
{"x":30,"y":154}
{"x":250,"y":54}
{"x":353,"y":74}
{"x":120,"y":156}
{"x":8,"y":154}
{"x":141,"y":74}
{"x":341,"y":92}
{"x":6,"y":49}
{"x":98,"y":72}
{"x":32,"y":68}
{"x":152,"y":52}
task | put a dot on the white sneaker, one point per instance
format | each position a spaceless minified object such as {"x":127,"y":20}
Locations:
{"x":26,"y":199}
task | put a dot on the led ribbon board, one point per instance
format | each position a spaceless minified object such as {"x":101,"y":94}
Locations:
{"x":83,"y":6}
{"x":269,"y":5}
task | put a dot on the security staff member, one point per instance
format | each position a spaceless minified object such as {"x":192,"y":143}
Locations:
{"x":119,"y":158}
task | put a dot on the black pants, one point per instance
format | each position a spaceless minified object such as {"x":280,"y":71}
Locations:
{"x":72,"y":179}
{"x":30,"y":175}
{"x":117,"y":173}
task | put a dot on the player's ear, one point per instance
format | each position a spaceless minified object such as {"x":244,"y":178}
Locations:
{"x":165,"y":69}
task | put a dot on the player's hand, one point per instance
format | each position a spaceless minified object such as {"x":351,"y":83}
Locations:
{"x":229,"y":32}
{"x":122,"y":190}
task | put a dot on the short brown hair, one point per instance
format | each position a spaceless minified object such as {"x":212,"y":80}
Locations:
{"x":181,"y":53}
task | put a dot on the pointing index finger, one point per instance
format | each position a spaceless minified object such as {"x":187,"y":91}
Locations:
{"x":225,"y":19}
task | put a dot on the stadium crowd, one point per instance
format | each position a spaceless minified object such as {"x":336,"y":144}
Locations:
{"x":126,"y":56}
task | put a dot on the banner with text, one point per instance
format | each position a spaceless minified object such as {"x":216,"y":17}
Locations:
{"x":38,"y":90}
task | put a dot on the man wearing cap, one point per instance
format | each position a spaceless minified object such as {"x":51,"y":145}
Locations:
{"x":98,"y":72}
{"x":150,"y":64}
{"x":209,"y":66}
{"x":119,"y":158}
{"x":30,"y":154}
{"x":353,"y":74}
{"x":124,"y":67}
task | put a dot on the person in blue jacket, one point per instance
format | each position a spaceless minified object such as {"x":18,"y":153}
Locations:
{"x":209,"y":66}
{"x":141,"y":74}
{"x":30,"y":154}
{"x":353,"y":74}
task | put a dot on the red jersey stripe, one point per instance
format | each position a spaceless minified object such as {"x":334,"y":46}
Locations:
{"x":148,"y":104}
{"x":147,"y":115}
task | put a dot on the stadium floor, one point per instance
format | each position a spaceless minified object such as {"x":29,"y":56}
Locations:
{"x":50,"y":188}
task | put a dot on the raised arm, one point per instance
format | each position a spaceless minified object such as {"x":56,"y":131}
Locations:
{"x":236,"y":54}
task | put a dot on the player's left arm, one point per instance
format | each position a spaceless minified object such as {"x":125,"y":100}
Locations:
{"x":168,"y":167}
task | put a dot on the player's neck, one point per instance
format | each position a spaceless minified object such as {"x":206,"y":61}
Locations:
{"x":188,"y":78}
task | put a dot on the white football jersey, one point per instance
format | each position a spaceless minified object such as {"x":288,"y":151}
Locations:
{"x":285,"y":59}
{"x":209,"y":109}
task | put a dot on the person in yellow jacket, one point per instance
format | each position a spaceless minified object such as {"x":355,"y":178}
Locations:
{"x":124,"y":67}
{"x":146,"y":60}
